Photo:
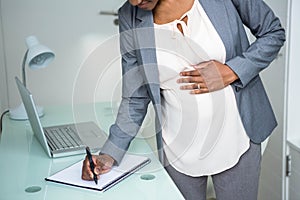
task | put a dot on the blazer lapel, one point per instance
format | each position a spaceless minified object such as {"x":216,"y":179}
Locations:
{"x":146,"y":54}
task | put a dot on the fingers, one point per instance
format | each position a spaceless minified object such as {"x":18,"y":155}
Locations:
{"x":200,"y":91}
{"x":194,"y":72}
{"x":198,"y":85}
{"x":197,"y":69}
{"x":195,"y":86}
{"x":206,"y":77}
{"x":189,"y":78}
{"x":103,"y":164}
{"x":86,"y":174}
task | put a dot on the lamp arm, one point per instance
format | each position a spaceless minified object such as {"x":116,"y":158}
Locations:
{"x":23,"y":68}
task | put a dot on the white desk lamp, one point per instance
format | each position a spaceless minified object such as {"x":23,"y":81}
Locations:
{"x":37,"y":56}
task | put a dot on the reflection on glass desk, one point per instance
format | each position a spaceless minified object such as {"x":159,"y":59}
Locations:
{"x":25,"y":165}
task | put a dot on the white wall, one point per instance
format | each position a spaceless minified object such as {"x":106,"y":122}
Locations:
{"x":3,"y":86}
{"x":272,"y":176}
{"x":73,"y":29}
{"x":294,"y":71}
{"x":293,"y":98}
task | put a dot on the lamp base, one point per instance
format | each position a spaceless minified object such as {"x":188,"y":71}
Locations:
{"x":19,"y":113}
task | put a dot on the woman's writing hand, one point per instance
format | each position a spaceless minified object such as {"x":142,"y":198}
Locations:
{"x":207,"y":77}
{"x":103,"y":164}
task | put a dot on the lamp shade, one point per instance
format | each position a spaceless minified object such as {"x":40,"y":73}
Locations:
{"x":38,"y":56}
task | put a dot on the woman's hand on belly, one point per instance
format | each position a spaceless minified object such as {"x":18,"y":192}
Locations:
{"x":207,"y":77}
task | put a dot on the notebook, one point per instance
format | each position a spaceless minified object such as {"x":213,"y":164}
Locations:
{"x":61,"y":140}
{"x":72,"y":175}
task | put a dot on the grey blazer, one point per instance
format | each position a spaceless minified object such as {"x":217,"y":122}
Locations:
{"x":140,"y":84}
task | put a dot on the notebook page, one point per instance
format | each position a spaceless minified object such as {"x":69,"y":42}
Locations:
{"x":72,"y":175}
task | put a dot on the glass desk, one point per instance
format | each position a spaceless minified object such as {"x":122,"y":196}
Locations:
{"x":25,"y":165}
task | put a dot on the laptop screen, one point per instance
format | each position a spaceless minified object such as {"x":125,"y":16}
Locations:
{"x":32,"y":115}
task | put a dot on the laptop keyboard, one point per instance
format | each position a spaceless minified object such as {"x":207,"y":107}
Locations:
{"x":63,"y":138}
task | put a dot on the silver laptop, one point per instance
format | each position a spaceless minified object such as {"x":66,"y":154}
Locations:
{"x":61,"y":140}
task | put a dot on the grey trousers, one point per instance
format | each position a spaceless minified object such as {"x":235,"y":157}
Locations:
{"x":237,"y":183}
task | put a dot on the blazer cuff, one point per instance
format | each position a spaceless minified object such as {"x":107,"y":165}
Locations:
{"x":114,"y":151}
{"x":244,"y":69}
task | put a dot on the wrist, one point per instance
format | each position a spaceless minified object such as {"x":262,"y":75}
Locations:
{"x":231,"y":76}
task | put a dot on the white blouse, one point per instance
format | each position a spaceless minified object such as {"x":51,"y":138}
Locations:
{"x":203,"y":134}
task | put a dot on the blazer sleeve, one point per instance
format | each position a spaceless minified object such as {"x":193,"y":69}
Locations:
{"x":270,"y":37}
{"x":135,"y":98}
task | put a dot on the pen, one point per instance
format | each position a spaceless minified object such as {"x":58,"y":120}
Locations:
{"x":89,"y":155}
